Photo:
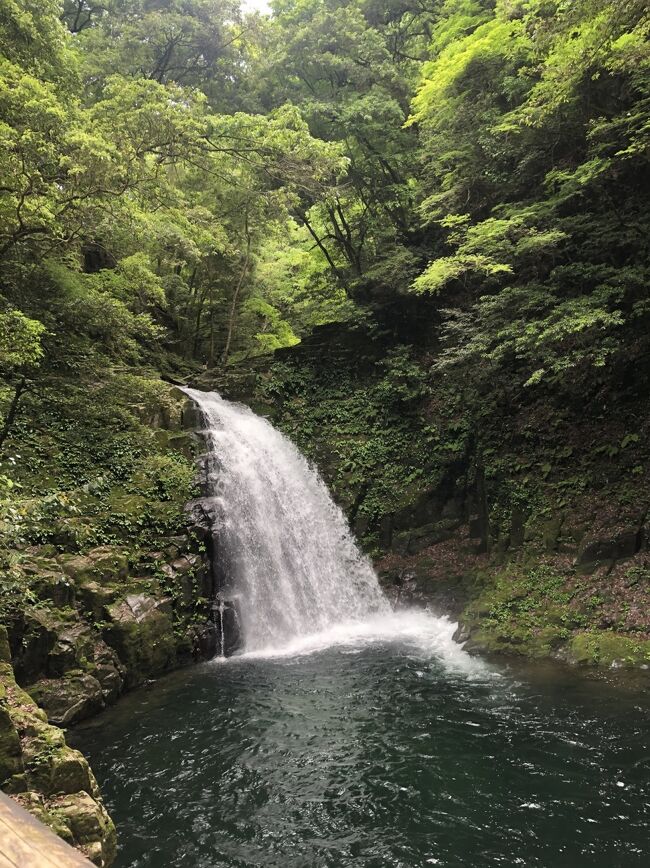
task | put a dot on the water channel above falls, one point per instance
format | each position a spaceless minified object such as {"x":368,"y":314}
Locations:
{"x":376,"y":753}
{"x":343,"y":734}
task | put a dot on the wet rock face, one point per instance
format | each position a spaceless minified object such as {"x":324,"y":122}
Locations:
{"x":111,"y":630}
{"x":85,"y":624}
{"x":617,"y":545}
{"x":227,"y":627}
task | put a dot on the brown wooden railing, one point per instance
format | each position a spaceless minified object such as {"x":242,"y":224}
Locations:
{"x":26,"y":843}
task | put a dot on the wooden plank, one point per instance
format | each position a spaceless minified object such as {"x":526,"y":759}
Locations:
{"x":27,"y":843}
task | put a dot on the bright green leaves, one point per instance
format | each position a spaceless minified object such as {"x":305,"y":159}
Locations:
{"x":273,"y":332}
{"x":146,"y":119}
{"x":534,"y":119}
{"x":32,"y":128}
{"x":349,"y":67}
{"x":450,"y":268}
{"x":493,"y":248}
{"x":103,"y":315}
{"x":142,"y":183}
{"x":226,"y":180}
{"x":132,"y":282}
{"x":32,"y":37}
{"x":20,"y":340}
{"x":532,"y":329}
{"x":591,"y":38}
{"x":468,"y":65}
{"x":276,"y":148}
{"x":465,"y":90}
{"x":191,"y":43}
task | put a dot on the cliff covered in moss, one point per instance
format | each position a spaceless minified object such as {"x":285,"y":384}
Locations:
{"x":528,"y":521}
{"x":106,"y":582}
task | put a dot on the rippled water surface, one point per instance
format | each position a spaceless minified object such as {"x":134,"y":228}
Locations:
{"x":376,"y":753}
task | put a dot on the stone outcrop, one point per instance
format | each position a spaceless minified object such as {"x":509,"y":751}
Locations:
{"x":82,"y":621}
{"x":46,"y":776}
{"x":114,"y":628}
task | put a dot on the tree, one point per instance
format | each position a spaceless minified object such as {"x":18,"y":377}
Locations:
{"x":533,"y":125}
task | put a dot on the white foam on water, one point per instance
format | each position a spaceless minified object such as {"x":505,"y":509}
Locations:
{"x":420,"y":634}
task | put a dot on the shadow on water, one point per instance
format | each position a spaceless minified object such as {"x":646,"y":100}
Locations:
{"x":376,"y":754}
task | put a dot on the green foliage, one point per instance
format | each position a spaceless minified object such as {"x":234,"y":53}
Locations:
{"x":366,"y":433}
{"x":534,"y":124}
{"x":234,"y":182}
{"x":91,"y":470}
{"x":20,"y":340}
{"x":185,"y":186}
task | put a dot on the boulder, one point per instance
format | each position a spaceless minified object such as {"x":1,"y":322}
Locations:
{"x":417,"y":539}
{"x":108,"y":671}
{"x":617,"y":546}
{"x":33,"y":642}
{"x":47,"y":777}
{"x":91,"y":829}
{"x":103,"y":564}
{"x":10,"y":750}
{"x":5,"y":650}
{"x":142,"y":633}
{"x":95,"y":598}
{"x":72,"y":650}
{"x":49,"y":583}
{"x":70,"y":699}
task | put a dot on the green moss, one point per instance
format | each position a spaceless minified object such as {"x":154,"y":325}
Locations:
{"x":142,"y":633}
{"x":523,"y":609}
{"x":609,"y":650}
{"x":50,"y":779}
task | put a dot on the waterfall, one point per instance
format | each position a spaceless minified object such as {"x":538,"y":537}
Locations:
{"x":286,"y":554}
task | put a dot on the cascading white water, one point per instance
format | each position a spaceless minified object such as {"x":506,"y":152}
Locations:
{"x":288,"y":554}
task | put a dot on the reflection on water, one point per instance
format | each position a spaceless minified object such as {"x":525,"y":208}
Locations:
{"x":376,"y":753}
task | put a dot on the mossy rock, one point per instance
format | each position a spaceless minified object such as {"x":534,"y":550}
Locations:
{"x":72,"y":650}
{"x":91,"y":829}
{"x":514,"y":639}
{"x":617,"y":546}
{"x":185,"y":443}
{"x":141,"y":631}
{"x":37,"y":805}
{"x":38,"y":635}
{"x":56,"y":589}
{"x":49,"y":778}
{"x":128,"y":504}
{"x":70,"y":699}
{"x":480,"y":640}
{"x":104,"y":564}
{"x":10,"y":749}
{"x":417,"y":539}
{"x":608,"y":650}
{"x":546,"y":641}
{"x":5,"y":650}
{"x":96,"y":599}
{"x":47,"y":580}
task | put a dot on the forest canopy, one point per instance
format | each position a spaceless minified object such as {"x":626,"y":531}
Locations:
{"x":181,"y":179}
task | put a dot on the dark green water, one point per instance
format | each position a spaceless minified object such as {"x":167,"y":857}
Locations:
{"x":378,"y":755}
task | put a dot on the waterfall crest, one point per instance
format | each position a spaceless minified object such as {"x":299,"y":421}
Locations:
{"x":286,"y":552}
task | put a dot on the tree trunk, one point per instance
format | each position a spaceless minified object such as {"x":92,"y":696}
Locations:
{"x":235,"y":298}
